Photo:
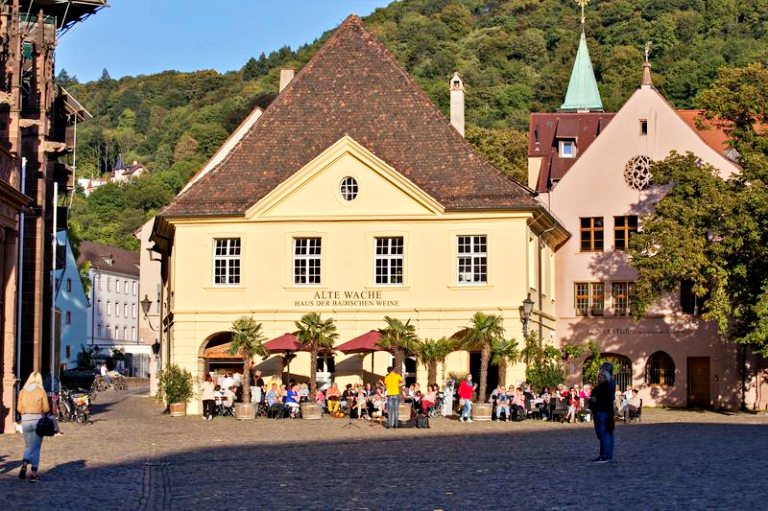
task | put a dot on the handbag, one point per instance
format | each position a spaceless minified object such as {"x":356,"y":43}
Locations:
{"x":45,"y":426}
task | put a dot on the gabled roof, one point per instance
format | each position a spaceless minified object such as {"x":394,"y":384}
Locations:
{"x":546,"y":129}
{"x":713,"y":131}
{"x":353,"y":86}
{"x":583,"y":94}
{"x":109,"y":259}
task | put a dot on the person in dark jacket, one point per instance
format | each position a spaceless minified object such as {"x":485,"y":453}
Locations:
{"x":601,"y":404}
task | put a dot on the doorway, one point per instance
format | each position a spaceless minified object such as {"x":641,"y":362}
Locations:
{"x":699,"y":393}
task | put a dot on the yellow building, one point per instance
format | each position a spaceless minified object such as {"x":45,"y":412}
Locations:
{"x":352,"y":196}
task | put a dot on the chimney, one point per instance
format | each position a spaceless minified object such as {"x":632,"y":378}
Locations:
{"x":286,"y":75}
{"x":457,"y":103}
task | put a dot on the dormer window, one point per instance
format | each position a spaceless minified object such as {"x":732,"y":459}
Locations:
{"x":567,"y":149}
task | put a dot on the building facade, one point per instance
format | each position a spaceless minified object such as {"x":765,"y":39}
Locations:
{"x":592,"y":169}
{"x":113,"y":322}
{"x":72,"y":305}
{"x":351,"y":196}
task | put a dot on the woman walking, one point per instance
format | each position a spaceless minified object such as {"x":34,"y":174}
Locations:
{"x":206,"y":389}
{"x":32,"y":405}
{"x":601,"y":404}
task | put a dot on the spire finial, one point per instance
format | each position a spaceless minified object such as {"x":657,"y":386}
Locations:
{"x":647,"y":80}
{"x":582,"y":4}
{"x":647,"y":51}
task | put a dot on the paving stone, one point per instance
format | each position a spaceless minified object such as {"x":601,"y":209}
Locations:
{"x":134,"y":457}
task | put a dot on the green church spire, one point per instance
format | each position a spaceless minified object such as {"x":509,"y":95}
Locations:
{"x":583,"y":94}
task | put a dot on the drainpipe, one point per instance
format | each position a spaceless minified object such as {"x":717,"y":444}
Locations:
{"x":20,"y":277}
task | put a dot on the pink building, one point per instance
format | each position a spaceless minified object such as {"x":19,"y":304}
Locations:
{"x":591,"y":169}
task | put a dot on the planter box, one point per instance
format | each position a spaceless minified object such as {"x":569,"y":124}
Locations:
{"x":245,"y":411}
{"x":404,"y":412}
{"x":177,"y":409}
{"x":481,"y":412}
{"x":311,"y":411}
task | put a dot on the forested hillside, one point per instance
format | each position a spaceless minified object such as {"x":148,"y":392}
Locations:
{"x":515,"y":57}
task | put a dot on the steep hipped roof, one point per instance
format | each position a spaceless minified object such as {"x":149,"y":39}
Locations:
{"x":583,"y":94}
{"x":353,"y":86}
{"x":109,"y":258}
{"x":546,"y":129}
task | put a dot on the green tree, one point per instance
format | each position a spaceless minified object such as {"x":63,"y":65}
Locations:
{"x":315,"y":334}
{"x":544,"y":367}
{"x":247,"y":341}
{"x":483,"y":331}
{"x":400,"y":338}
{"x":433,"y":351}
{"x":504,"y":351}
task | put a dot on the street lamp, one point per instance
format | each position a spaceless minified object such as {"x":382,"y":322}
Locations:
{"x":527,"y":309}
{"x":146,"y":303}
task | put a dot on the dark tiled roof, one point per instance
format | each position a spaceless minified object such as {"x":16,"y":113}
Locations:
{"x":122,"y":261}
{"x":545,"y":131}
{"x":353,"y":86}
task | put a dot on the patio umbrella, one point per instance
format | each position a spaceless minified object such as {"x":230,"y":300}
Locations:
{"x":366,"y":343}
{"x":287,"y":343}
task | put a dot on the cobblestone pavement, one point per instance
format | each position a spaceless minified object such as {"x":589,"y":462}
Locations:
{"x":131,"y":457}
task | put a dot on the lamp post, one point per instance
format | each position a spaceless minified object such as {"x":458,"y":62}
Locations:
{"x":146,"y":303}
{"x":527,"y":309}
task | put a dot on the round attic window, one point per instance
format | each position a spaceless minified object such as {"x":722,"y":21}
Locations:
{"x":348,"y":188}
{"x":637,"y":172}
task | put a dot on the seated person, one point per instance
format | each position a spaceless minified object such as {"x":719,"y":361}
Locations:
{"x":632,"y":406}
{"x":320,"y":398}
{"x":518,"y":404}
{"x":347,"y":397}
{"x":303,"y":392}
{"x":378,"y":402}
{"x":292,"y":399}
{"x":574,"y":404}
{"x":429,"y":399}
{"x":502,"y":403}
{"x":333,"y":398}
{"x":275,"y":400}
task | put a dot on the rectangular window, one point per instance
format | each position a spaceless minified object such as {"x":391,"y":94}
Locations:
{"x":69,"y":285}
{"x":133,"y":310}
{"x":567,"y":149}
{"x":109,"y":308}
{"x":117,"y":332}
{"x":69,"y":318}
{"x":125,"y":310}
{"x":98,"y":307}
{"x":472,"y":259}
{"x":592,"y":234}
{"x":125,"y":333}
{"x":133,"y":333}
{"x":125,"y":287}
{"x":643,"y":127}
{"x":98,"y":330}
{"x":117,"y":285}
{"x":621,"y":294}
{"x":109,"y":284}
{"x":389,"y":260}
{"x":589,"y":298}
{"x":226,"y":262}
{"x":99,"y":279}
{"x":306,"y":261}
{"x":133,"y":286}
{"x":68,"y":351}
{"x":689,"y":302}
{"x":624,"y":227}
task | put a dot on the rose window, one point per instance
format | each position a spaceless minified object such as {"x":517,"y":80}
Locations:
{"x":637,"y":172}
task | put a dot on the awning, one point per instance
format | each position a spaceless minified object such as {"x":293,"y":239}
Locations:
{"x":366,"y":343}
{"x":286,"y":342}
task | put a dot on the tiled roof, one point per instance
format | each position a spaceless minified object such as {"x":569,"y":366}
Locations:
{"x":109,"y":258}
{"x":545,"y":131}
{"x":353,"y":86}
{"x":713,"y":132}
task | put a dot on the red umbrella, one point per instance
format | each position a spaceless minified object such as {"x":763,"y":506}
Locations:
{"x":286,"y":342}
{"x":366,"y":343}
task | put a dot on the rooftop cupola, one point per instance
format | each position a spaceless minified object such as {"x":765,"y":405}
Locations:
{"x":583,"y":94}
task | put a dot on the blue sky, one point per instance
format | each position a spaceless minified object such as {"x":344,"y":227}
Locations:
{"x":135,"y":37}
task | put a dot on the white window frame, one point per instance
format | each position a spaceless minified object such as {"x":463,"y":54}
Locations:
{"x":307,"y":252}
{"x":562,"y":144}
{"x":473,"y":260}
{"x":133,"y":310}
{"x":388,"y":260}
{"x":230,"y":258}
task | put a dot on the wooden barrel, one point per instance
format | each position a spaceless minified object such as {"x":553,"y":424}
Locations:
{"x":177,"y":409}
{"x":245,"y":411}
{"x":481,"y":412}
{"x":404,"y":412}
{"x":311,"y":411}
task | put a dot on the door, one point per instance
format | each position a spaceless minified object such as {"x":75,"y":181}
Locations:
{"x":698,"y":382}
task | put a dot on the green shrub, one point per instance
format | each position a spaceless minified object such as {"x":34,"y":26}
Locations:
{"x":175,"y":385}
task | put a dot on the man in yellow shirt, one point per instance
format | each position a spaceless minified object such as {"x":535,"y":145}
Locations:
{"x":393,"y":382}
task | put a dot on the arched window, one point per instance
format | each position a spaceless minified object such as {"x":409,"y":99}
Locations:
{"x":660,"y":369}
{"x":622,"y":369}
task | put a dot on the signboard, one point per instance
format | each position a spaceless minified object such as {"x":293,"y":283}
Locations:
{"x":348,"y":298}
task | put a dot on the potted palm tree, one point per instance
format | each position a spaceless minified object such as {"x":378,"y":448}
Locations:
{"x":480,"y":335}
{"x":314,"y":334}
{"x":175,"y":388}
{"x":247,"y":340}
{"x":431,"y":352}
{"x":400,"y":338}
{"x":502,"y":352}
